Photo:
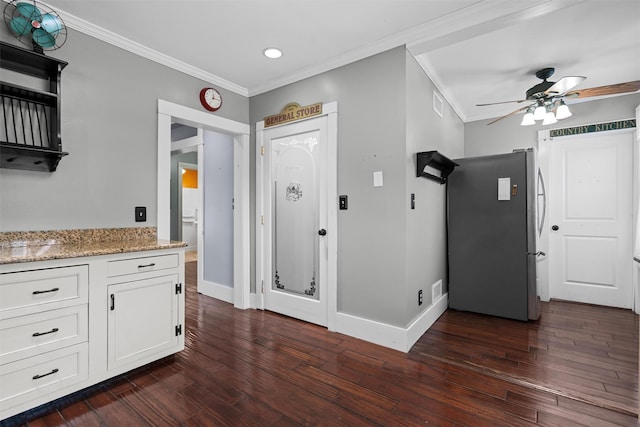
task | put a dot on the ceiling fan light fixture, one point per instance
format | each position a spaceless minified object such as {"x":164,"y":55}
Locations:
{"x":549,"y":118}
{"x":540,"y":112}
{"x":528,"y":119}
{"x":563,"y":111}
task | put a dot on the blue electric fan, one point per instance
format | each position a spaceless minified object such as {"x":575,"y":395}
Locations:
{"x":35,"y":25}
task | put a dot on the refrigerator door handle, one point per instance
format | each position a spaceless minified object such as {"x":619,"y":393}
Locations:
{"x":542,"y":192}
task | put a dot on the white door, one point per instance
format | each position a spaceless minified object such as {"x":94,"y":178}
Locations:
{"x":295,"y":219}
{"x":590,"y":218}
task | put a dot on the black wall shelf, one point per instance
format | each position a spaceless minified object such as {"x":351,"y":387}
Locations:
{"x":437,"y":161}
{"x":30,"y":131}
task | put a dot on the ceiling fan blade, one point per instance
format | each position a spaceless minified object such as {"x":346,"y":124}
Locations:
{"x":605,"y":90}
{"x":564,"y":84}
{"x":501,"y":102}
{"x":508,"y":115}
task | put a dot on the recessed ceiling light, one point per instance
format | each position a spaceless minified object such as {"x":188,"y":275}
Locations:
{"x":272,"y":52}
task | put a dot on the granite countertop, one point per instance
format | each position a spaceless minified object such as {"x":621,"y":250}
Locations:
{"x":31,"y":246}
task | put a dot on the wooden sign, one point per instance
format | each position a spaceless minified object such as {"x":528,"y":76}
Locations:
{"x":292,"y":112}
{"x":598,"y":127}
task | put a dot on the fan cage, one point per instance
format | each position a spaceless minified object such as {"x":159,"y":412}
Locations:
{"x":11,"y":12}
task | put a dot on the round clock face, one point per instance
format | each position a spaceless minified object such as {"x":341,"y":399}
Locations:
{"x":210,"y":99}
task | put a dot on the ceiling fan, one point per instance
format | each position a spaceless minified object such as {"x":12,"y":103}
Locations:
{"x":546,"y":100}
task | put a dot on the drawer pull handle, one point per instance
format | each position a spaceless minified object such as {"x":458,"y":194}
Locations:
{"x":38,"y":334}
{"x":153,"y":264}
{"x":53,"y":371}
{"x":45,"y":292}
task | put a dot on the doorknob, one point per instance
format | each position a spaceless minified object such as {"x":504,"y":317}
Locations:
{"x":555,"y":228}
{"x":322,"y":232}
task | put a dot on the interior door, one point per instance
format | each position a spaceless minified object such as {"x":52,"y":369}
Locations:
{"x":294,"y":188}
{"x":590,"y":219}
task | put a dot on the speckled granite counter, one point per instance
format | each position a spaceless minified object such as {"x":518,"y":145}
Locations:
{"x":31,"y":246}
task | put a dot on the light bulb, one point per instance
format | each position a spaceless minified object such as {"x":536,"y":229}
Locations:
{"x":549,"y":118}
{"x":528,"y":120}
{"x":563,"y":111}
{"x":539,"y":112}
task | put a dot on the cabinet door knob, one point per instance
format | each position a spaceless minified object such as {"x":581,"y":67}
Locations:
{"x":555,"y":228}
{"x":322,"y":232}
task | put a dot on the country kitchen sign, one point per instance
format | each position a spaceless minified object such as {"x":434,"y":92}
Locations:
{"x":292,"y":112}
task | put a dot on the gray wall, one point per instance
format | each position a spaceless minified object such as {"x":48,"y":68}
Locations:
{"x":218,"y":208}
{"x":507,"y":134}
{"x":426,"y":237}
{"x":371,"y":137}
{"x":385,"y":251}
{"x":109,"y":128}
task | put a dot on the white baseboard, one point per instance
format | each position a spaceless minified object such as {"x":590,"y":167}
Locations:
{"x":217,"y":291}
{"x":394,"y":337}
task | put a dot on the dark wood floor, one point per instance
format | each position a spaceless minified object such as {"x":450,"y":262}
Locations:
{"x":578,"y":365}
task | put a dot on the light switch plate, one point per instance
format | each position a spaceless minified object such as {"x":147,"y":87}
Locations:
{"x":377,"y":179}
{"x":141,"y":213}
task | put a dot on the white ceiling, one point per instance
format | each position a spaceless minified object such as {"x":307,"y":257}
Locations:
{"x":474,"y":50}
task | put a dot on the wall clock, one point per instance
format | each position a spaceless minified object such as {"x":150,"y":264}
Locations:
{"x":210,"y":99}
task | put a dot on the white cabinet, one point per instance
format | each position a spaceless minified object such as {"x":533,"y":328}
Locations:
{"x":69,"y":324}
{"x":143,"y":319}
{"x":43,"y":333}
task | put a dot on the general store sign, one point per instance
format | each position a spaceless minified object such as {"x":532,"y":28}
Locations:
{"x":292,"y":112}
{"x":598,"y":127}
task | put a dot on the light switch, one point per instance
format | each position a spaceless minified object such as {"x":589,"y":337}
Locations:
{"x":377,"y":179}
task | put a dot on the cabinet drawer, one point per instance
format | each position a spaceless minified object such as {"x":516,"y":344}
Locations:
{"x":27,"y":292}
{"x":34,"y":377}
{"x":141,"y":265}
{"x":27,"y":336}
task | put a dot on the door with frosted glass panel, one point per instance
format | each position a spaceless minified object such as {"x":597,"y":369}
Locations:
{"x":294,"y":185}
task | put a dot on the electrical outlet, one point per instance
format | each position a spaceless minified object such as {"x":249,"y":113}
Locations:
{"x":420,"y":297}
{"x":141,"y":213}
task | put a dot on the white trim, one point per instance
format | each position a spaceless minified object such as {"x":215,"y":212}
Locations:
{"x":401,"y":339}
{"x":136,"y":48}
{"x":169,"y":112}
{"x":217,"y":291}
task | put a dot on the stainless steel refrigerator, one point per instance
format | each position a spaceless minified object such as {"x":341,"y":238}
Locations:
{"x":492,"y":226}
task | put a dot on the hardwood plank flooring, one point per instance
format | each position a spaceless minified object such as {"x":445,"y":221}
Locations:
{"x":577,"y":365}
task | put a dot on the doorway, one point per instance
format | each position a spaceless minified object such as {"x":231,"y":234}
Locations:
{"x":170,"y":113}
{"x":296,"y":236}
{"x":590,"y":218}
{"x":187,"y":208}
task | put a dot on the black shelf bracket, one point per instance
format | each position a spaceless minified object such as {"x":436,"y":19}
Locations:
{"x":437,"y":161}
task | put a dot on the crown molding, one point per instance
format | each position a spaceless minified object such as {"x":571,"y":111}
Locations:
{"x":136,"y":48}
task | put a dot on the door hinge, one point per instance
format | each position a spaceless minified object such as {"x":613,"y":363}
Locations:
{"x":178,"y":330}
{"x":262,"y":219}
{"x":262,"y":288}
{"x":262,"y":150}
{"x":178,"y":288}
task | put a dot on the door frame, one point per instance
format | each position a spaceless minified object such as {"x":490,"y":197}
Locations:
{"x":330,"y":110}
{"x":544,"y":161}
{"x":169,"y":113}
